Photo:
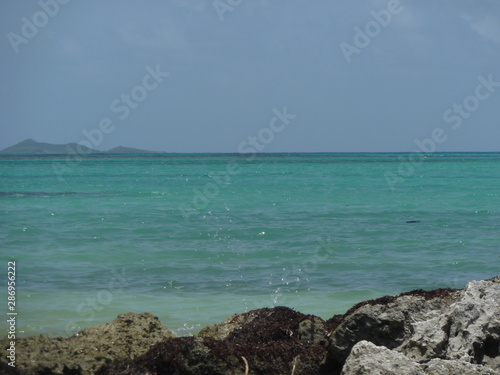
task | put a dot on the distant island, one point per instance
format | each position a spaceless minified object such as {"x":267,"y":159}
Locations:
{"x":32,"y":147}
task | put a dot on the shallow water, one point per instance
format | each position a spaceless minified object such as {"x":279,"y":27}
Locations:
{"x":196,"y":238}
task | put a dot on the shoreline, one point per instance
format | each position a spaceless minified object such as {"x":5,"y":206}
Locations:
{"x":181,"y":324}
{"x":415,"y":329}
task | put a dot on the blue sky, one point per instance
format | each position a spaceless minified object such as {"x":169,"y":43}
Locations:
{"x":232,"y":64}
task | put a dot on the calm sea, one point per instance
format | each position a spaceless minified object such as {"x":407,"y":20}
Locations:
{"x":196,"y":238}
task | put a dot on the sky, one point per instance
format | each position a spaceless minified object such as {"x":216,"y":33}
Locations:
{"x":276,"y":75}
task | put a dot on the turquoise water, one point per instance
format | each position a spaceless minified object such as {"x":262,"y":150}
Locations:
{"x":196,"y":238}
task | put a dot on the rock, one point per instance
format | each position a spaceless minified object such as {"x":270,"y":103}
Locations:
{"x":468,"y":330}
{"x":126,"y":337}
{"x":312,"y":331}
{"x":221,"y":330}
{"x":5,"y":369}
{"x":367,"y":358}
{"x":446,"y":324}
{"x":439,"y":332}
{"x":474,"y":324}
{"x":182,"y":355}
{"x":386,"y":321}
{"x":452,"y":367}
{"x":269,"y":341}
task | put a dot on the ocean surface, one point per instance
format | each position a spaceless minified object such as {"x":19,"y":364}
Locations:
{"x":196,"y":238}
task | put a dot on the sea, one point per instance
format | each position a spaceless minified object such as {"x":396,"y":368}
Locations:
{"x":195,"y":238}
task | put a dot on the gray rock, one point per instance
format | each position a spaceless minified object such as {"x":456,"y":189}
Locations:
{"x":468,"y":330}
{"x":428,"y":339}
{"x":452,"y":325}
{"x":126,"y":337}
{"x":474,"y":333}
{"x":387,"y":321}
{"x":367,"y":358}
{"x":452,"y":367}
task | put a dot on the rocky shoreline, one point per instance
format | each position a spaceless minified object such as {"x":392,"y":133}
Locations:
{"x":439,"y":332}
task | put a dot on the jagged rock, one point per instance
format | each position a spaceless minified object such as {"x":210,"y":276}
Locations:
{"x":447,"y":324}
{"x":272,"y":342}
{"x":474,"y":333}
{"x":439,"y":332}
{"x":468,"y":330}
{"x":386,"y":321}
{"x":367,"y":358}
{"x":452,"y":367}
{"x":126,"y":337}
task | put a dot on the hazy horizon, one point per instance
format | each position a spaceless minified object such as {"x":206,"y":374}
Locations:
{"x":193,"y":76}
{"x":415,"y":151}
